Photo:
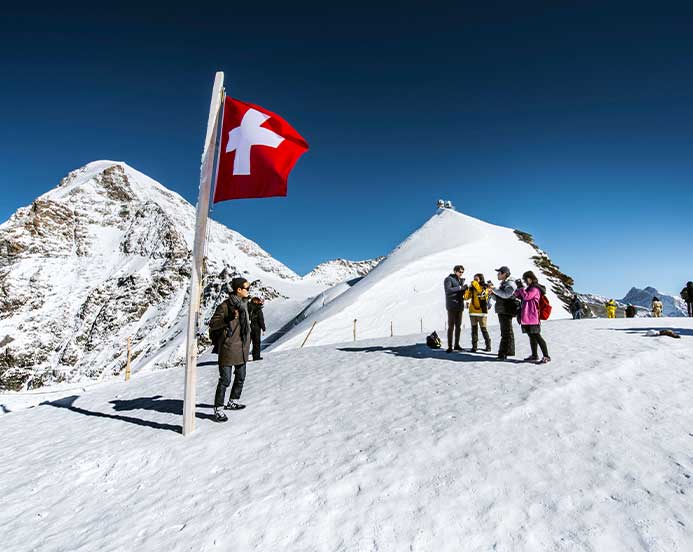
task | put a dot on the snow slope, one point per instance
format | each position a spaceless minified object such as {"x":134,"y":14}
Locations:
{"x":406,"y":288}
{"x":378,"y":445}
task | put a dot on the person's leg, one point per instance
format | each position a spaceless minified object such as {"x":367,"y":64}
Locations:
{"x":238,"y":381}
{"x":503,"y":345}
{"x":255,"y":337}
{"x":222,"y":385}
{"x":578,"y":315}
{"x":511,"y":336}
{"x":474,"y":320}
{"x":542,"y":345}
{"x":690,"y":309}
{"x":533,"y":345}
{"x":451,"y":327}
{"x":458,"y":328}
{"x":484,"y":332}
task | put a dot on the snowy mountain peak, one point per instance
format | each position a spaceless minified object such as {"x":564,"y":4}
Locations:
{"x":341,"y":270}
{"x":404,"y":294}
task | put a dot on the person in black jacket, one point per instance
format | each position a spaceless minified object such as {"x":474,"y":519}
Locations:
{"x":630,"y":311}
{"x":257,"y":324}
{"x":454,"y":303}
{"x":576,"y":307}
{"x":506,"y":309}
{"x":687,"y":295}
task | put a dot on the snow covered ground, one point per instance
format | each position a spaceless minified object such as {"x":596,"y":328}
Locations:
{"x":375,"y":445}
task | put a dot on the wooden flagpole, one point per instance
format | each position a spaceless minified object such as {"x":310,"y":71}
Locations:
{"x":206,"y":175}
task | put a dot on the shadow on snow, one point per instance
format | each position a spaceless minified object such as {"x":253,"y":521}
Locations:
{"x":642,"y":331}
{"x":155,"y":403}
{"x":420,"y":350}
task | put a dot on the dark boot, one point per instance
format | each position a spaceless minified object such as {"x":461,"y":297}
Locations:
{"x":487,"y":339}
{"x":475,"y":338}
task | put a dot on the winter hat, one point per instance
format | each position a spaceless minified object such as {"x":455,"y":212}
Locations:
{"x":237,"y":283}
{"x":504,"y":269}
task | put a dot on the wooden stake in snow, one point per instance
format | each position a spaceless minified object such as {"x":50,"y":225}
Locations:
{"x":391,"y":329}
{"x":127,"y":364}
{"x":354,"y":329}
{"x":206,"y":174}
{"x":422,"y":325}
{"x":308,"y":334}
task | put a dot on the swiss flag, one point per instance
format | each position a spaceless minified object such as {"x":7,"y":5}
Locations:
{"x":258,"y":150}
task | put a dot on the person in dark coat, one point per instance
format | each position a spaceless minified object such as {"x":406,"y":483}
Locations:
{"x":630,"y":311}
{"x":454,"y":303}
{"x":576,"y":307}
{"x":506,"y":309}
{"x":687,"y":295}
{"x":234,"y":345}
{"x":257,"y":324}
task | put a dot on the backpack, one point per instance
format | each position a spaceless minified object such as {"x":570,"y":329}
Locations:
{"x":433,"y":341}
{"x":545,"y":307}
{"x":512,"y":306}
{"x":217,"y":336}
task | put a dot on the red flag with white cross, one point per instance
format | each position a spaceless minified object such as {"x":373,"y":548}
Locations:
{"x":258,"y":150}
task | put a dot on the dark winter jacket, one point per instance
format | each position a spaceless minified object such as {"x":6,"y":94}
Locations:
{"x":630,"y":311}
{"x":505,"y":298}
{"x":257,"y":317}
{"x":689,"y":292}
{"x":575,"y":305}
{"x":454,"y":292}
{"x":232,"y":316}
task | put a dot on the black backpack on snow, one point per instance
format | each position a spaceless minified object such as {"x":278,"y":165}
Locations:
{"x":433,"y":341}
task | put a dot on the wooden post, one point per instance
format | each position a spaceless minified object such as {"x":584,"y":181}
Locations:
{"x":422,"y":325}
{"x":127,"y":364}
{"x":308,"y":334}
{"x":354,"y":329}
{"x":391,"y":329}
{"x":206,"y":170}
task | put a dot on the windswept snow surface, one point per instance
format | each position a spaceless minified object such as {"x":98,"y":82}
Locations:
{"x":378,"y":445}
{"x":406,"y":288}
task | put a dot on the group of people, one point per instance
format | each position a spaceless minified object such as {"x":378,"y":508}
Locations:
{"x":237,"y":323}
{"x":520,"y":299}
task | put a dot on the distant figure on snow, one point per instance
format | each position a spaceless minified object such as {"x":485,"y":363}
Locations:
{"x":611,"y":308}
{"x":630,"y":311}
{"x":257,"y":324}
{"x":506,"y":309}
{"x":231,"y":317}
{"x":529,"y":315}
{"x":687,"y":296}
{"x":657,"y":307}
{"x":477,"y":295}
{"x":454,"y":287}
{"x":576,"y":307}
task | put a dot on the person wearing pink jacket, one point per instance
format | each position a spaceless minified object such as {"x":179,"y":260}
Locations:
{"x":529,"y":315}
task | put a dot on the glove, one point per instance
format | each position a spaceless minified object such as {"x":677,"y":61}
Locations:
{"x":519,"y":283}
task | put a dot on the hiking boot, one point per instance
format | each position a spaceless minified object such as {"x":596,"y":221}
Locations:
{"x":219,"y":415}
{"x":473,"y":350}
{"x":448,"y":350}
{"x":488,"y":348}
{"x":531,"y":358}
{"x":257,"y":358}
{"x":544,"y":360}
{"x":234,"y":405}
{"x":502,"y":357}
{"x":458,"y":348}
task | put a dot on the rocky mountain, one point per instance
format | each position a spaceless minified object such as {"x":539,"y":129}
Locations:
{"x":403,"y":294}
{"x":336,"y":271}
{"x":673,"y":306}
{"x":106,"y":256}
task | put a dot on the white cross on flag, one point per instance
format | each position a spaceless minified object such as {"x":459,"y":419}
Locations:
{"x":258,"y":150}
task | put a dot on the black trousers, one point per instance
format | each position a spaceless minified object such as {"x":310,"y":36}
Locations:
{"x":535,"y":340}
{"x":690,"y":309}
{"x":454,"y":323}
{"x":507,"y":340}
{"x":225,"y":381}
{"x":255,"y":337}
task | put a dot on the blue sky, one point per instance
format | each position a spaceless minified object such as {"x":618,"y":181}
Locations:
{"x":571,"y":122}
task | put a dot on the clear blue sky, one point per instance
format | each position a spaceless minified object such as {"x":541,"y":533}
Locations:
{"x":571,"y":122}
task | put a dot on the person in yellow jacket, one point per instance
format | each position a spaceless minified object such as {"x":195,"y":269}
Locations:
{"x":657,"y":307}
{"x":477,"y":295}
{"x":611,"y":308}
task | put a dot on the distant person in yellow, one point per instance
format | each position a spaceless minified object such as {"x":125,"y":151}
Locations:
{"x":611,"y":308}
{"x":657,"y":307}
{"x":477,"y":295}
